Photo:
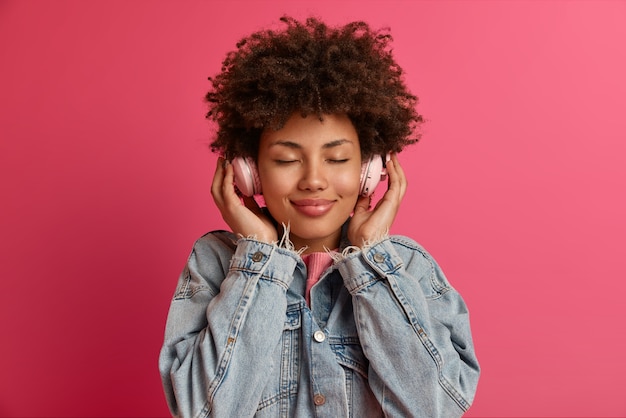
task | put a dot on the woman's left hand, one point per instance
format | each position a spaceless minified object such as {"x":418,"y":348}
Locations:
{"x":371,"y":225}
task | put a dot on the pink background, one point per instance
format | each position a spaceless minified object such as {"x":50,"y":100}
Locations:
{"x":518,"y":189}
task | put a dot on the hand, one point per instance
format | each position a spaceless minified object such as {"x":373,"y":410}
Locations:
{"x":244,"y":217}
{"x":371,"y":225}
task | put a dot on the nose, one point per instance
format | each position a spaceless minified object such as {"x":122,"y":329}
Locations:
{"x":313,"y":177}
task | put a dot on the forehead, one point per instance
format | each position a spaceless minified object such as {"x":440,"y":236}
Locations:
{"x":302,"y":132}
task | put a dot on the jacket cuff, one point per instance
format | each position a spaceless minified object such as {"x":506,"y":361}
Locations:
{"x":271,"y":262}
{"x":362,"y":268}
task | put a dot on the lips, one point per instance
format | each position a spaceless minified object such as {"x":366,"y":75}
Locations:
{"x":313,"y":207}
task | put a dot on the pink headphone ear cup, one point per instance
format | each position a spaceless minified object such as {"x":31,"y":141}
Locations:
{"x":372,"y":171}
{"x":246,"y":176}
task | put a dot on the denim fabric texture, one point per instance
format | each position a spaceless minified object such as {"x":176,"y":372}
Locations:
{"x":385,"y":335}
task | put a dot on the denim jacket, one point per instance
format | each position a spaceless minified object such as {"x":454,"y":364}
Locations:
{"x":385,"y":334}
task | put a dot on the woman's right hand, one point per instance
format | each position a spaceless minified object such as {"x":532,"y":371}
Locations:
{"x":245,"y":217}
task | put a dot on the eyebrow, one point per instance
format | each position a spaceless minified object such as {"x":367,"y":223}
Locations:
{"x":295,"y":145}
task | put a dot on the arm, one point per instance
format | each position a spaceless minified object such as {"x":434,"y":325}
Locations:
{"x":228,"y":312}
{"x":220,"y":339}
{"x":414,"y":329}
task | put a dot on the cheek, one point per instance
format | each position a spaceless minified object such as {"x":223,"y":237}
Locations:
{"x":347,"y":183}
{"x":272,"y":182}
{"x":276,"y":188}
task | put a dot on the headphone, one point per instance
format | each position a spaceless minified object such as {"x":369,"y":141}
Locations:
{"x":247,"y":180}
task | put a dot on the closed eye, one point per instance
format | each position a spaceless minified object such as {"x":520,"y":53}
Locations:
{"x":338,"y":161}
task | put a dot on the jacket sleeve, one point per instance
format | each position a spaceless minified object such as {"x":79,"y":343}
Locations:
{"x":414,"y":329}
{"x":225,"y":320}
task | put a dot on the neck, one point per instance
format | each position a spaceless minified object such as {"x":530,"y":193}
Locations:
{"x":316,"y":245}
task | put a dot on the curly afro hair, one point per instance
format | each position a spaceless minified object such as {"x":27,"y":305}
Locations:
{"x":311,"y":68}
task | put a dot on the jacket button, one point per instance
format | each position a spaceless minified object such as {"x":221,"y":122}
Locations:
{"x":379,"y":258}
{"x":319,"y":336}
{"x":319,"y":399}
{"x":258,"y":256}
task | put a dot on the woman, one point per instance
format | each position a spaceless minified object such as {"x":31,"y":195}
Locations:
{"x":308,"y":307}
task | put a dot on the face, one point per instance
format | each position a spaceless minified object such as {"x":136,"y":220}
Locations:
{"x":309,"y":172}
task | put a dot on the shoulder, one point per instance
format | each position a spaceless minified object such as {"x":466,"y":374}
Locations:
{"x":209,"y":259}
{"x":218,"y":240}
{"x":207,"y":265}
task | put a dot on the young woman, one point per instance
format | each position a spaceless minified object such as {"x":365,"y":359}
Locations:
{"x":308,"y":307}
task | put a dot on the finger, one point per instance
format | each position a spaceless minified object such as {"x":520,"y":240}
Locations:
{"x":397,"y":179}
{"x":401,"y":175}
{"x":225,"y":187}
{"x":218,"y":179}
{"x":228,"y":183}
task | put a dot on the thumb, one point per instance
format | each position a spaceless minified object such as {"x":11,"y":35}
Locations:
{"x":251,"y":204}
{"x":363,"y":204}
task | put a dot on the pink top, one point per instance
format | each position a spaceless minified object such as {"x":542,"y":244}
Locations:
{"x":316,"y":264}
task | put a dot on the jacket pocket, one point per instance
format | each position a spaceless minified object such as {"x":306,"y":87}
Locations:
{"x":282,"y":383}
{"x":349,"y":353}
